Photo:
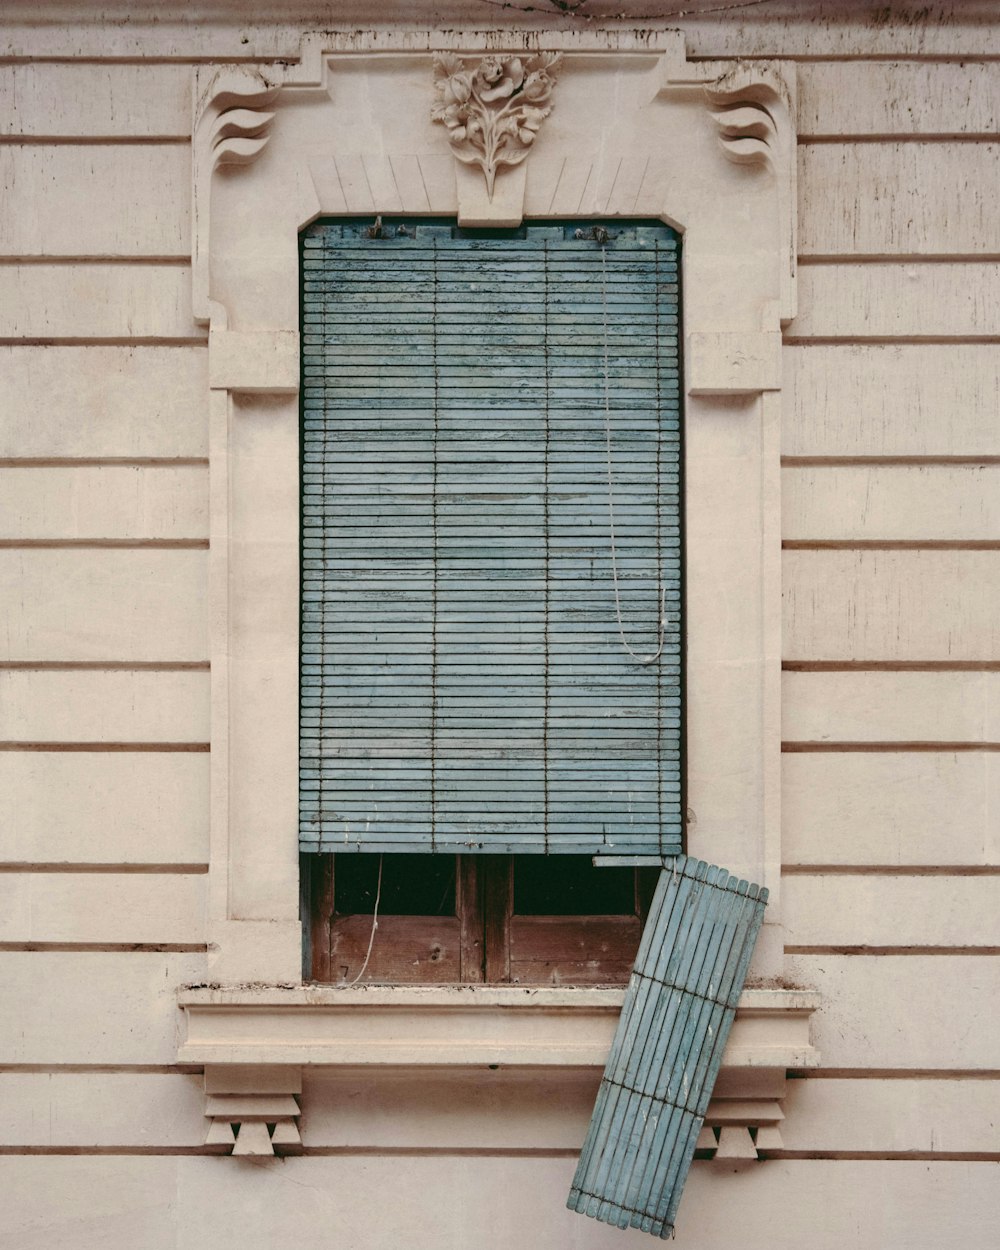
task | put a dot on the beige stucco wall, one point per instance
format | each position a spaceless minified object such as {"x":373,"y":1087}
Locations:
{"x":891,"y":783}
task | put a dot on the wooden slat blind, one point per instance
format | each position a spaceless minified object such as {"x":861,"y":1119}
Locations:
{"x":490,"y":452}
{"x":667,"y":1050}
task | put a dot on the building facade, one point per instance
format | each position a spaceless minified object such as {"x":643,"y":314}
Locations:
{"x":175,"y":1070}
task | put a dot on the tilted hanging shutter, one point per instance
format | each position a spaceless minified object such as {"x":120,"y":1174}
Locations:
{"x":466,"y":683}
{"x":667,"y":1050}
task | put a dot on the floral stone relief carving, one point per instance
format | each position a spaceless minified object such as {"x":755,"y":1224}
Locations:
{"x":493,"y":110}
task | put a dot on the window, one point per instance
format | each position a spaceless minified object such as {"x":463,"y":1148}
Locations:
{"x":525,"y":920}
{"x":731,"y":183}
{"x":729,"y":179}
{"x":490,"y":593}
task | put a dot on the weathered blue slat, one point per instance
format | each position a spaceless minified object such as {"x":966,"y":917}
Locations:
{"x":667,"y":1051}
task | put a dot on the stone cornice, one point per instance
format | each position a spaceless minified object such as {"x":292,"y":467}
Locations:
{"x":588,"y":15}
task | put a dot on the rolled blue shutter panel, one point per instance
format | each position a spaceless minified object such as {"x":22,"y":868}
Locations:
{"x":481,"y":579}
{"x":667,"y":1050}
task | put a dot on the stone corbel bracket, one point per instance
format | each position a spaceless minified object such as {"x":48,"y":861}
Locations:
{"x":754,"y":107}
{"x":229,"y":128}
{"x":755,"y":111}
{"x":254,"y":1044}
{"x":744,"y":1116}
{"x":253,"y":1110}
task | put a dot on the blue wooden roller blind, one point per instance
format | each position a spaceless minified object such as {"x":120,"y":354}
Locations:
{"x":490,"y":540}
{"x":667,"y":1050}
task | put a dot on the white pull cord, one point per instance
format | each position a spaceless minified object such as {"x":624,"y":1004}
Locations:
{"x":639,"y":659}
{"x":371,"y":940}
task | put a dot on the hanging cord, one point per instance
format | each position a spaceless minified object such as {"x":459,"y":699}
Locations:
{"x":371,"y":940}
{"x":662,"y":596}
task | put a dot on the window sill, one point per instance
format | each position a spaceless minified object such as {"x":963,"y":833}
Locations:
{"x":255,"y":1041}
{"x":466,"y":1026}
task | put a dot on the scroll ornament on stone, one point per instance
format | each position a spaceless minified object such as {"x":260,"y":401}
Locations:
{"x":493,"y":110}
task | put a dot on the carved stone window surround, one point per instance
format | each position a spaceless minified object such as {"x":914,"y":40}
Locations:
{"x":636,"y":131}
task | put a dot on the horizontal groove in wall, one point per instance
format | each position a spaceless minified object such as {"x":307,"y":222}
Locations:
{"x":96,"y":258}
{"x":107,"y":462}
{"x":103,"y":544}
{"x":894,"y":1074}
{"x":890,"y":870}
{"x":817,"y":259}
{"x":495,"y":1152}
{"x":850,"y":58}
{"x":190,"y":59}
{"x":883,"y":748}
{"x":106,"y":666}
{"x":195,"y":340}
{"x":892,"y":950}
{"x":98,"y":747}
{"x":892,"y":1156}
{"x":455,"y":1152}
{"x":883,"y":462}
{"x":114,"y":1150}
{"x":283,"y":56}
{"x":799,"y":1074}
{"x":446,"y":1151}
{"x":131,"y":141}
{"x":400,"y":1152}
{"x":135,"y":870}
{"x":890,"y":666}
{"x":943,"y":136}
{"x":890,"y":340}
{"x":890,"y":544}
{"x":106,"y":948}
{"x":98,"y":1069}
